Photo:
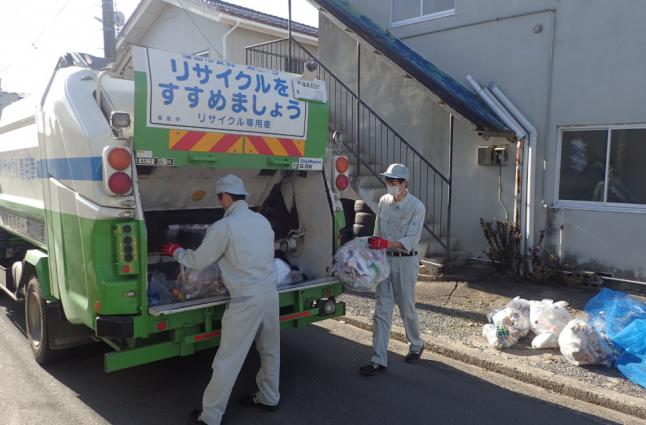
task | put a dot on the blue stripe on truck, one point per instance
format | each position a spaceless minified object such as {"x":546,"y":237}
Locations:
{"x":87,"y":168}
{"x":84,"y":168}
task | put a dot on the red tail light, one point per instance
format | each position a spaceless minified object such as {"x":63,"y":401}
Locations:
{"x":117,"y":170}
{"x":342,"y":164}
{"x":120,"y":183}
{"x":119,"y":158}
{"x":342,"y":182}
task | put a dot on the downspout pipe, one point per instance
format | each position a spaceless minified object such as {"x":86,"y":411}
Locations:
{"x":530,"y":166}
{"x":520,"y":132}
{"x":520,"y":165}
{"x":224,"y":40}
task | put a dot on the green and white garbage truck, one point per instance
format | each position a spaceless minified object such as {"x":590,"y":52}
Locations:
{"x":101,"y":168}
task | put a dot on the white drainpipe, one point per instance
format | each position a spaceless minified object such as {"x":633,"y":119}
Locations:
{"x":530,"y":167}
{"x":508,"y":119}
{"x":224,"y":39}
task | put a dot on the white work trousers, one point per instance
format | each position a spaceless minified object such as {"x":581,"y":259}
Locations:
{"x":399,"y":288}
{"x":245,"y":320}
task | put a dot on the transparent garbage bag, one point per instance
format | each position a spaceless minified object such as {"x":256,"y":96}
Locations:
{"x":283,"y":271}
{"x":498,"y":336}
{"x":582,"y":344}
{"x":545,"y":340}
{"x":359,"y":267}
{"x":546,"y":316}
{"x":160,"y":289}
{"x":204,"y":283}
{"x":507,"y":327}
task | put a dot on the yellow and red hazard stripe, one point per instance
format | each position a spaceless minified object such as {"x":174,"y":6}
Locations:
{"x":273,"y":146}
{"x":200,"y":141}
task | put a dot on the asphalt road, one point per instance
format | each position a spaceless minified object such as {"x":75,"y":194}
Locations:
{"x":319,"y":383}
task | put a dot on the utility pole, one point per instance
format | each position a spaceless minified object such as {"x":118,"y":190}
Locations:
{"x":109,"y":42}
{"x":290,"y":67}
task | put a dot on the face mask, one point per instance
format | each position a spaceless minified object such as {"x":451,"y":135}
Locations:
{"x":393,"y":190}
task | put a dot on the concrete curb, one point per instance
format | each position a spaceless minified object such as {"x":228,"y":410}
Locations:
{"x":443,"y":346}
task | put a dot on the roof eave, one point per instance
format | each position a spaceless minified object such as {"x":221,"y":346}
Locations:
{"x":449,"y":102}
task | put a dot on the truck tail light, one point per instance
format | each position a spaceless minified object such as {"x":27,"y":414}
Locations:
{"x":120,"y":183}
{"x":342,"y":182}
{"x":341,"y":168}
{"x":119,"y":158}
{"x":117,"y":171}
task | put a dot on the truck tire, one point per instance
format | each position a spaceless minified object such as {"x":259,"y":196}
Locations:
{"x":348,"y":210}
{"x":365,"y":219}
{"x":360,"y":230}
{"x":37,"y":324}
{"x":361,"y":206}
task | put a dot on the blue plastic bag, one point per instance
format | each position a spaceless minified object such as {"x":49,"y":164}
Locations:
{"x":611,"y":311}
{"x":632,"y":362}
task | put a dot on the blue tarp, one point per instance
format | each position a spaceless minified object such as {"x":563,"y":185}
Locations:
{"x":623,"y":318}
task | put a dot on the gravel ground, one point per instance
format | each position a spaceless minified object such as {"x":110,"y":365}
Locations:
{"x":468,"y":331}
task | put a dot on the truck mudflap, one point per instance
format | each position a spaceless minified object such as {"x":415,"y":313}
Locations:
{"x":301,"y":304}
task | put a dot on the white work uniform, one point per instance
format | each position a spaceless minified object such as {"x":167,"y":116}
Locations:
{"x":398,"y":221}
{"x":242,"y":243}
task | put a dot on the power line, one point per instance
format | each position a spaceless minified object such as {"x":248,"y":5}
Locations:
{"x":52,"y":22}
{"x":199,"y":29}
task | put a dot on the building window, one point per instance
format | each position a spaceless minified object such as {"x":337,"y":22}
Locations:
{"x":603,"y":167}
{"x":404,"y":12}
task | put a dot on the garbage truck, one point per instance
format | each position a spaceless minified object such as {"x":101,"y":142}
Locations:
{"x":103,"y":166}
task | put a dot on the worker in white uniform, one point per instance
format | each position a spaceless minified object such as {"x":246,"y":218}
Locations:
{"x":398,"y":229}
{"x":242,"y":243}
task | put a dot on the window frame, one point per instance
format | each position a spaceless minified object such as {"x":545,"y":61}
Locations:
{"x":421,"y":17}
{"x":594,"y":205}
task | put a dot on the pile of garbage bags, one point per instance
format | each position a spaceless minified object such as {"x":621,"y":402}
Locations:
{"x":192,"y":284}
{"x":545,"y":318}
{"x":360,"y":268}
{"x":614,"y":332}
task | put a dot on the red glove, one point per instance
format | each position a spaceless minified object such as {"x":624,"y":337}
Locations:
{"x":377,"y":243}
{"x":169,"y":249}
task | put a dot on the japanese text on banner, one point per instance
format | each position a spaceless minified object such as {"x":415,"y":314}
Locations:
{"x":200,"y":93}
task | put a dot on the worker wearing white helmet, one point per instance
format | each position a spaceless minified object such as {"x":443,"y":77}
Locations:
{"x":242,"y":243}
{"x":398,"y":229}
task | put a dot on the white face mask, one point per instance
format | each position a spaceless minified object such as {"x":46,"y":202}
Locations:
{"x":393,"y":190}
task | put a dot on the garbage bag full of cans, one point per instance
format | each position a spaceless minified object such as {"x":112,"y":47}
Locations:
{"x":359,"y":267}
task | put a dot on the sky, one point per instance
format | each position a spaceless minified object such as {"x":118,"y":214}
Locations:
{"x":34,"y":33}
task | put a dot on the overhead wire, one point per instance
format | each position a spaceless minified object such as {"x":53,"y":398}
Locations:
{"x":188,"y":15}
{"x":52,"y":22}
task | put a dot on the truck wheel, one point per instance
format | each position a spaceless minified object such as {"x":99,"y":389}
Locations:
{"x":37,"y":324}
{"x":365,"y":219}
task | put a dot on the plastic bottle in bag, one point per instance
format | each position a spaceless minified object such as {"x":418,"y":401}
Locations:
{"x":359,"y":267}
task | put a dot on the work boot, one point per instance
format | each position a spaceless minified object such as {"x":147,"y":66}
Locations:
{"x":414,"y":356}
{"x":371,"y":369}
{"x":250,"y":401}
{"x":194,"y":418}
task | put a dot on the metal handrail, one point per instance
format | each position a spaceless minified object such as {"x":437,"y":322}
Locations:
{"x":372,"y":111}
{"x":278,"y":55}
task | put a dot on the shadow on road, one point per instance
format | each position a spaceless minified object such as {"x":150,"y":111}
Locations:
{"x":320,"y":384}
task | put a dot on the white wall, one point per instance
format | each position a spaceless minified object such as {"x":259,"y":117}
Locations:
{"x":562,"y":63}
{"x":410,"y":110}
{"x":174,"y":31}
